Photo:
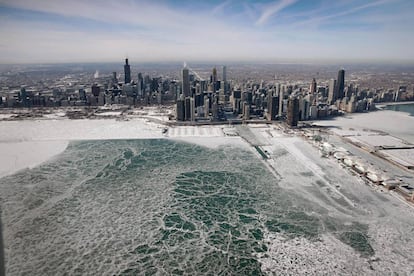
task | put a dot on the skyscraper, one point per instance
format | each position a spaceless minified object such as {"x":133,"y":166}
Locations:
{"x":293,"y":112}
{"x":214,"y":80}
{"x":332,"y":96}
{"x":82,"y":94}
{"x":224,"y":80}
{"x":203,"y":86}
{"x":281,"y":95}
{"x":23,"y":97}
{"x":180,"y":109}
{"x":96,"y":90}
{"x":246,"y":111}
{"x":127,"y":71}
{"x":340,"y":84}
{"x":206,"y":106}
{"x":187,"y":109}
{"x":313,"y":86}
{"x":349,"y":90}
{"x":214,"y":75}
{"x":222,"y":93}
{"x":272,"y":107}
{"x":186,"y":82}
{"x":140,"y":84}
{"x":192,"y":109}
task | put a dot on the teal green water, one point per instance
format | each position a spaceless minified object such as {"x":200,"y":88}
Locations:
{"x":154,"y":207}
{"x":408,"y":108}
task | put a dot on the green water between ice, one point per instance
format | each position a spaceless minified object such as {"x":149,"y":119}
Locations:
{"x":153,"y":206}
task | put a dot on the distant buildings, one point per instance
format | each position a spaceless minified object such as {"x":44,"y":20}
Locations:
{"x":215,"y":98}
{"x":202,"y":100}
{"x":24,"y":97}
{"x":402,"y":90}
{"x":209,"y":100}
{"x":96,"y":90}
{"x":101,"y":90}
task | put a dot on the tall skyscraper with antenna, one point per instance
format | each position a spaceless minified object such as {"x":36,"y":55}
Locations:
{"x":127,"y":72}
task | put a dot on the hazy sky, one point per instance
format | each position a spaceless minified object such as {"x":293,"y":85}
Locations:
{"x":189,"y":30}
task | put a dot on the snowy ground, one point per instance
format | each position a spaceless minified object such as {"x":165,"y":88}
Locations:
{"x":398,"y":124}
{"x":404,"y":157}
{"x":30,"y":142}
{"x":109,"y":113}
{"x":375,"y":129}
{"x":18,"y":155}
{"x":373,"y":141}
{"x":342,"y":195}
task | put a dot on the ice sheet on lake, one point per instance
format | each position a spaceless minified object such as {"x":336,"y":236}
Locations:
{"x":128,"y":206}
{"x":205,"y":206}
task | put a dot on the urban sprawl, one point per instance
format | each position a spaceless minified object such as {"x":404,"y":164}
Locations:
{"x":204,"y":100}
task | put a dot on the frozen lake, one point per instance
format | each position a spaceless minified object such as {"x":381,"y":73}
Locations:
{"x":193,"y":203}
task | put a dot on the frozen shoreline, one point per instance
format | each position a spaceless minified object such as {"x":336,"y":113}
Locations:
{"x":382,"y":105}
{"x":16,"y":156}
{"x":392,"y":122}
{"x":28,"y":143}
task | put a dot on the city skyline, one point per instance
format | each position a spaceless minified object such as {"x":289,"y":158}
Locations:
{"x":271,"y":31}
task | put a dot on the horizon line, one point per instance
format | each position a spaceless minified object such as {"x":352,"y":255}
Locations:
{"x":287,"y":61}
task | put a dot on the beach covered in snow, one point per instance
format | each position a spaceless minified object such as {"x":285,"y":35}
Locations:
{"x":27,"y":143}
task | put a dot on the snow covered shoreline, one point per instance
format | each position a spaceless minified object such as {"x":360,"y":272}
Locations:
{"x":16,"y":156}
{"x":382,"y":105}
{"x":398,"y":124}
{"x":28,"y":143}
